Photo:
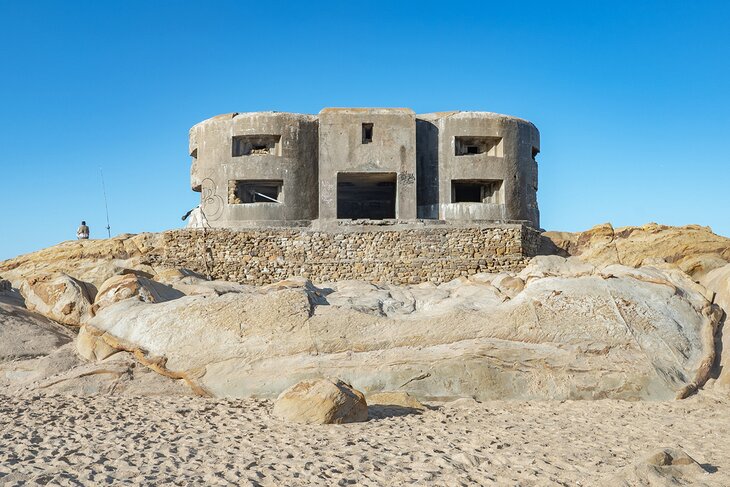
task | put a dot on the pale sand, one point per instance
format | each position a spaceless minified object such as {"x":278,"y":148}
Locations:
{"x":66,"y":440}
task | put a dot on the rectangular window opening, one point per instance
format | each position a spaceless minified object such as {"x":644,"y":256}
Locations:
{"x":251,"y":145}
{"x":367,"y":133}
{"x":473,"y":145}
{"x":476,"y":191}
{"x":370,"y":196}
{"x":247,"y":191}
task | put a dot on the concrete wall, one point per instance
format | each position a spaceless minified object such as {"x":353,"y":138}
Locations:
{"x":508,"y":160}
{"x":292,"y":160}
{"x":392,"y":150}
{"x":391,"y":254}
{"x":421,"y":157}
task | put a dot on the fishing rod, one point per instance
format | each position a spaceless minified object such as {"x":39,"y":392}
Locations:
{"x":106,"y":205}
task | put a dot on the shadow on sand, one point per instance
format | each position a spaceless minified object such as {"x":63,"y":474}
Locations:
{"x":382,"y":411}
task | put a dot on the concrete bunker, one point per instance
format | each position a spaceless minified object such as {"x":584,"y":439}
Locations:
{"x":248,"y":191}
{"x":372,"y":142}
{"x":270,"y":168}
{"x":476,"y":191}
{"x":473,"y":145}
{"x":366,"y":195}
{"x":249,"y":145}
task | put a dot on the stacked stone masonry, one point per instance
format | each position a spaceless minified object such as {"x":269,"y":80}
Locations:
{"x":403,"y":256}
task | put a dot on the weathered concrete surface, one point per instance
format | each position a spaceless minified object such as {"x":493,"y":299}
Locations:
{"x":391,"y":150}
{"x":293,"y":161}
{"x":621,"y":333}
{"x":508,"y":160}
{"x":370,"y":152}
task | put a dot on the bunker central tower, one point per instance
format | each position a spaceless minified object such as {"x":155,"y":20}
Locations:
{"x":285,"y":169}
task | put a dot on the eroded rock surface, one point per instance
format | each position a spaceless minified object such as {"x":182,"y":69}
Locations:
{"x":39,"y":355}
{"x":125,"y":286}
{"x":626,"y":333}
{"x":621,"y":320}
{"x":59,"y":297}
{"x":693,"y":248}
{"x":92,"y":261}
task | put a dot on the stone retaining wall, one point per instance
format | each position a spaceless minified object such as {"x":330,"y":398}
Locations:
{"x":404,"y":256}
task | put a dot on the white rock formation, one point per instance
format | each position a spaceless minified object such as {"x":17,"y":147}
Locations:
{"x":120,"y":287}
{"x":37,"y":354}
{"x":572,"y":332}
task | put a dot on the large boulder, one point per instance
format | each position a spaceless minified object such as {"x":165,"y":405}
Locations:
{"x":321,"y":401}
{"x":32,"y":347}
{"x":125,"y":286}
{"x":626,"y":333}
{"x":693,"y":248}
{"x":59,"y":297}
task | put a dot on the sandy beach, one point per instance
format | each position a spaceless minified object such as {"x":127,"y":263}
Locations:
{"x":73,"y":440}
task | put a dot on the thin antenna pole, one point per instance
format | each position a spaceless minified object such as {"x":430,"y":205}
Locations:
{"x":106,"y":206}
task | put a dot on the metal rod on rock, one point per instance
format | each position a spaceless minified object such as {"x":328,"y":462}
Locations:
{"x":106,"y":205}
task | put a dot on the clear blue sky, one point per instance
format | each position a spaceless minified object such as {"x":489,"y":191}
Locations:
{"x":632,"y":99}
